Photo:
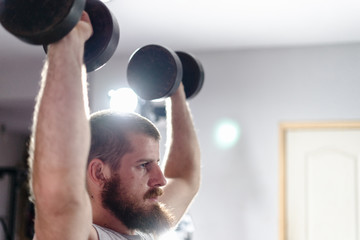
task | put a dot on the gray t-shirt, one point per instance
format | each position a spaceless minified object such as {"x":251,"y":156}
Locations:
{"x":108,"y":234}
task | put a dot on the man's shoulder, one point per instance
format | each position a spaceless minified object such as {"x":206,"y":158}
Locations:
{"x":104,"y":233}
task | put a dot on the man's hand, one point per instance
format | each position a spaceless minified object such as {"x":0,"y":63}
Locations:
{"x":83,"y":29}
{"x":75,"y":38}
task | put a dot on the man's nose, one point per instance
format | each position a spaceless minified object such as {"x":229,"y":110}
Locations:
{"x":157,"y":178}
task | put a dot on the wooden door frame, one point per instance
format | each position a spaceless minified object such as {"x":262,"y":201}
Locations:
{"x":284,"y":127}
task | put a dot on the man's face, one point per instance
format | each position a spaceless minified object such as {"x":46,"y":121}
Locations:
{"x":132,"y":192}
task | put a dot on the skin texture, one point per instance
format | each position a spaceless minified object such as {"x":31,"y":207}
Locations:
{"x":67,"y":191}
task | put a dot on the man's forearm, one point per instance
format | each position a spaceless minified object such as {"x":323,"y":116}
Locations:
{"x":183,"y":158}
{"x":62,"y":136}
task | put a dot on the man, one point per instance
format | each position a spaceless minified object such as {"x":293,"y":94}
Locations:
{"x":123,"y":193}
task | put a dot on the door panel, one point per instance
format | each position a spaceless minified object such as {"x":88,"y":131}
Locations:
{"x":319,"y":181}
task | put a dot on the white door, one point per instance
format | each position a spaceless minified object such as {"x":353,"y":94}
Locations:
{"x":320,"y":181}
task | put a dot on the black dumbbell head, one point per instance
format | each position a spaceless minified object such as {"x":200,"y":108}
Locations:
{"x":154,"y":72}
{"x":193,"y":74}
{"x":103,"y":43}
{"x":106,"y":33}
{"x":40,"y":21}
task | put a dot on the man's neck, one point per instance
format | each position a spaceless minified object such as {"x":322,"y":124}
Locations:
{"x":105,"y":218}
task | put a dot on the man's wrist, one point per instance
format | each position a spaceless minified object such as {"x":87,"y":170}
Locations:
{"x":67,"y":48}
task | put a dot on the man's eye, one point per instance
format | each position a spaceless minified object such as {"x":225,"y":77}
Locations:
{"x":144,"y":165}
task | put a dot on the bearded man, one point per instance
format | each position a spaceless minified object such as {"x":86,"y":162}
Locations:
{"x":98,"y":177}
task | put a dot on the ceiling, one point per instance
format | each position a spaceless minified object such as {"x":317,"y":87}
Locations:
{"x":207,"y":25}
{"x":200,"y":26}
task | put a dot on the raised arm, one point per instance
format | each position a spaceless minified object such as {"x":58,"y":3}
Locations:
{"x":182,"y":167}
{"x":61,"y":140}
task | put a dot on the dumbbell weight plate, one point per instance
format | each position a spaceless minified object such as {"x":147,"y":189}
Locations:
{"x":106,"y":33}
{"x":103,"y":43}
{"x":154,"y":72}
{"x":40,"y":21}
{"x":193,"y":74}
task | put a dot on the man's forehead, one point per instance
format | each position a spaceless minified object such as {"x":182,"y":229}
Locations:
{"x":142,"y":145}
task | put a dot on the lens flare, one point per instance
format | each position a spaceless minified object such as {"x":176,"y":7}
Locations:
{"x":123,"y":100}
{"x":227,"y":133}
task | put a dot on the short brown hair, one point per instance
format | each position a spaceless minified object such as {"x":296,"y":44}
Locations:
{"x":109,"y":134}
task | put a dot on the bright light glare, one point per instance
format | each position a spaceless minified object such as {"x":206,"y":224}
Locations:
{"x":123,"y":100}
{"x":227,"y":133}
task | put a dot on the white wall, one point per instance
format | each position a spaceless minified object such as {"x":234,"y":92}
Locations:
{"x":19,"y":83}
{"x":259,"y":89}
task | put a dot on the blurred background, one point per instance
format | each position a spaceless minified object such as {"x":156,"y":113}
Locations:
{"x":265,"y":63}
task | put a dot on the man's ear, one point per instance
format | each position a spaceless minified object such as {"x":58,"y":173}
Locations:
{"x":98,"y":172}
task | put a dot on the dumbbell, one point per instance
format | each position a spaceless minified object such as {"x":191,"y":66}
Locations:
{"x":42,"y":22}
{"x":155,"y":72}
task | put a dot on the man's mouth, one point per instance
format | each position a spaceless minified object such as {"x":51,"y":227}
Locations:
{"x":153,"y":193}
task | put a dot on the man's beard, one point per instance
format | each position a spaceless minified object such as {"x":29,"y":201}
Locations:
{"x":150,"y":219}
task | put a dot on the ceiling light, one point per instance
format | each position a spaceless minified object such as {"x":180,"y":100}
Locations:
{"x":123,"y":99}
